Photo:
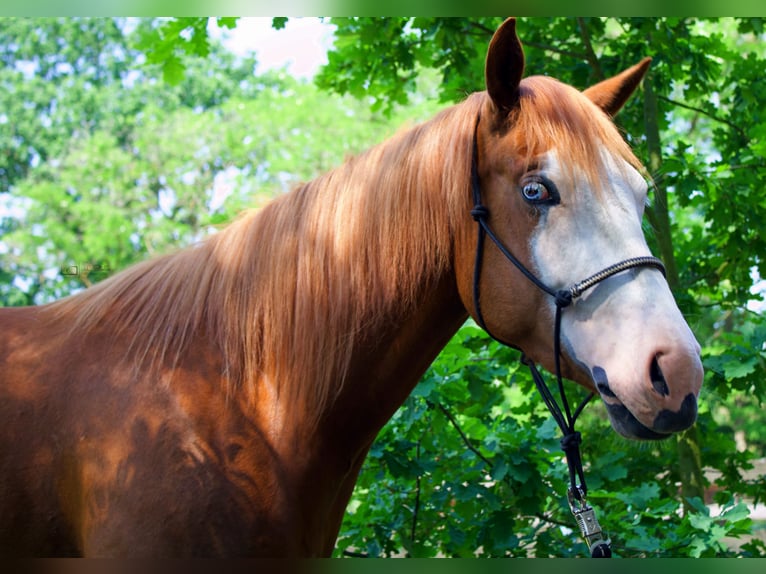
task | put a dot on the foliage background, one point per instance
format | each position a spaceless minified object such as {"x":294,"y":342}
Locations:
{"x":124,"y":139}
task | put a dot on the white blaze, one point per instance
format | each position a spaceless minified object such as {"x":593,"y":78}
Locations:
{"x":626,"y":321}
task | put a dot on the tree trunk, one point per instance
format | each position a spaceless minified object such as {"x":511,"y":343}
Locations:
{"x":687,"y":443}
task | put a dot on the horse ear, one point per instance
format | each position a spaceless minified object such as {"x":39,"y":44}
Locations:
{"x":504,"y":66}
{"x":610,"y":95}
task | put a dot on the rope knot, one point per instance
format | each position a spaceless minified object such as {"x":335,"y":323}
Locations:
{"x":563,"y":298}
{"x":571,"y":442}
{"x":479,"y":213}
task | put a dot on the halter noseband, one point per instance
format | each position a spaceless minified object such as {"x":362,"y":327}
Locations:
{"x":570,"y":442}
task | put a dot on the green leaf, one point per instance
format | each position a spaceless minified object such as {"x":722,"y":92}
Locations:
{"x":227,"y":22}
{"x":173,"y":70}
{"x":641,"y":496}
{"x":499,"y":470}
{"x":738,"y":369}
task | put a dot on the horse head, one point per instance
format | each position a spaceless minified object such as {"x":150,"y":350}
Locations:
{"x":565,"y":194}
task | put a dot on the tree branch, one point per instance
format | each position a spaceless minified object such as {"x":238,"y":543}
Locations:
{"x":482,"y":28}
{"x":553,"y":521}
{"x":352,"y":554}
{"x":589,"y":51}
{"x":463,"y":436}
{"x":415,"y":510}
{"x":574,"y":55}
{"x":704,"y":113}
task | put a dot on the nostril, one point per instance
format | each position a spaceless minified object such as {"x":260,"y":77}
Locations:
{"x":658,"y":379}
{"x":602,"y":382}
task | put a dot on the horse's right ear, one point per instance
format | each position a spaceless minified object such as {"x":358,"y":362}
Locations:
{"x":610,"y":95}
{"x":504,"y":67}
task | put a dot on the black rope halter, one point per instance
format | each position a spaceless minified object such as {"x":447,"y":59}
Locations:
{"x":571,"y":439}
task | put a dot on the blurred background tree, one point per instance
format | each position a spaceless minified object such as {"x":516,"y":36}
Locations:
{"x":121,"y":139}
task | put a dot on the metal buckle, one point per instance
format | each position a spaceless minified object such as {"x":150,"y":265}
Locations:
{"x":585,"y":516}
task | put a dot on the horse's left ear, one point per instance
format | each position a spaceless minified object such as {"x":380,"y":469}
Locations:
{"x":504,"y":66}
{"x":610,"y":95}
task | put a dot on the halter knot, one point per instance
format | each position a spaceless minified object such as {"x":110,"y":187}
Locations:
{"x":564,"y":298}
{"x":479,"y":213}
{"x":571,"y":441}
{"x":570,"y":444}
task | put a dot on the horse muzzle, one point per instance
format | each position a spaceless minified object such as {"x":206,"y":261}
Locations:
{"x":664,"y":403}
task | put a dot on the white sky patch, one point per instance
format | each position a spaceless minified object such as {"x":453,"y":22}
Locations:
{"x":301,"y":46}
{"x":759,"y":290}
{"x":12,"y":206}
{"x":223,"y":186}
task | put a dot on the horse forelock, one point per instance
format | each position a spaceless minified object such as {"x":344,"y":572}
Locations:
{"x":552,"y":115}
{"x":287,"y":292}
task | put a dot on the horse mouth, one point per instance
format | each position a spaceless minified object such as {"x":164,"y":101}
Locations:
{"x":665,"y":423}
{"x":627,"y":425}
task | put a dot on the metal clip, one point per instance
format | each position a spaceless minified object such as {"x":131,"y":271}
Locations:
{"x":585,"y":516}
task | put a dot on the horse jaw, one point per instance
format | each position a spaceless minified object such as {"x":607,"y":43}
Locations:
{"x":626,"y":334}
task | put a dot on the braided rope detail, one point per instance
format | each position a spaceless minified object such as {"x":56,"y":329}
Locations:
{"x":579,"y":288}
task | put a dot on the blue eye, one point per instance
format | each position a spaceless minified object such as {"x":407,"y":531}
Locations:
{"x":539,"y":190}
{"x":535,"y":192}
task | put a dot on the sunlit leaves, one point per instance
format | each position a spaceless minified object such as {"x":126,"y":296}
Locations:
{"x":166,"y":43}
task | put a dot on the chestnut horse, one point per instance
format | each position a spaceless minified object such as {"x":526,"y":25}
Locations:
{"x":220,"y":400}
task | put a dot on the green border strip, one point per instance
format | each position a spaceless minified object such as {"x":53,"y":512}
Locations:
{"x":388,"y":8}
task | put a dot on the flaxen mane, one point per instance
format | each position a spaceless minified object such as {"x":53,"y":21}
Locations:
{"x":285,"y":292}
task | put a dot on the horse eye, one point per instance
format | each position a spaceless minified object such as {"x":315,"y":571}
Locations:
{"x":535,"y":192}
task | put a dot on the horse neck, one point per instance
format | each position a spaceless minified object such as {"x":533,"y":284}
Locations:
{"x":389,"y":362}
{"x":365,"y":258}
{"x":356,"y":259}
{"x":323,"y":461}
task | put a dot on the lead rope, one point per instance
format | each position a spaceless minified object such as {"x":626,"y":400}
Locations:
{"x":598,"y":545}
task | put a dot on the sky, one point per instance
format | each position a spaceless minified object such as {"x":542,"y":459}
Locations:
{"x":301,"y":45}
